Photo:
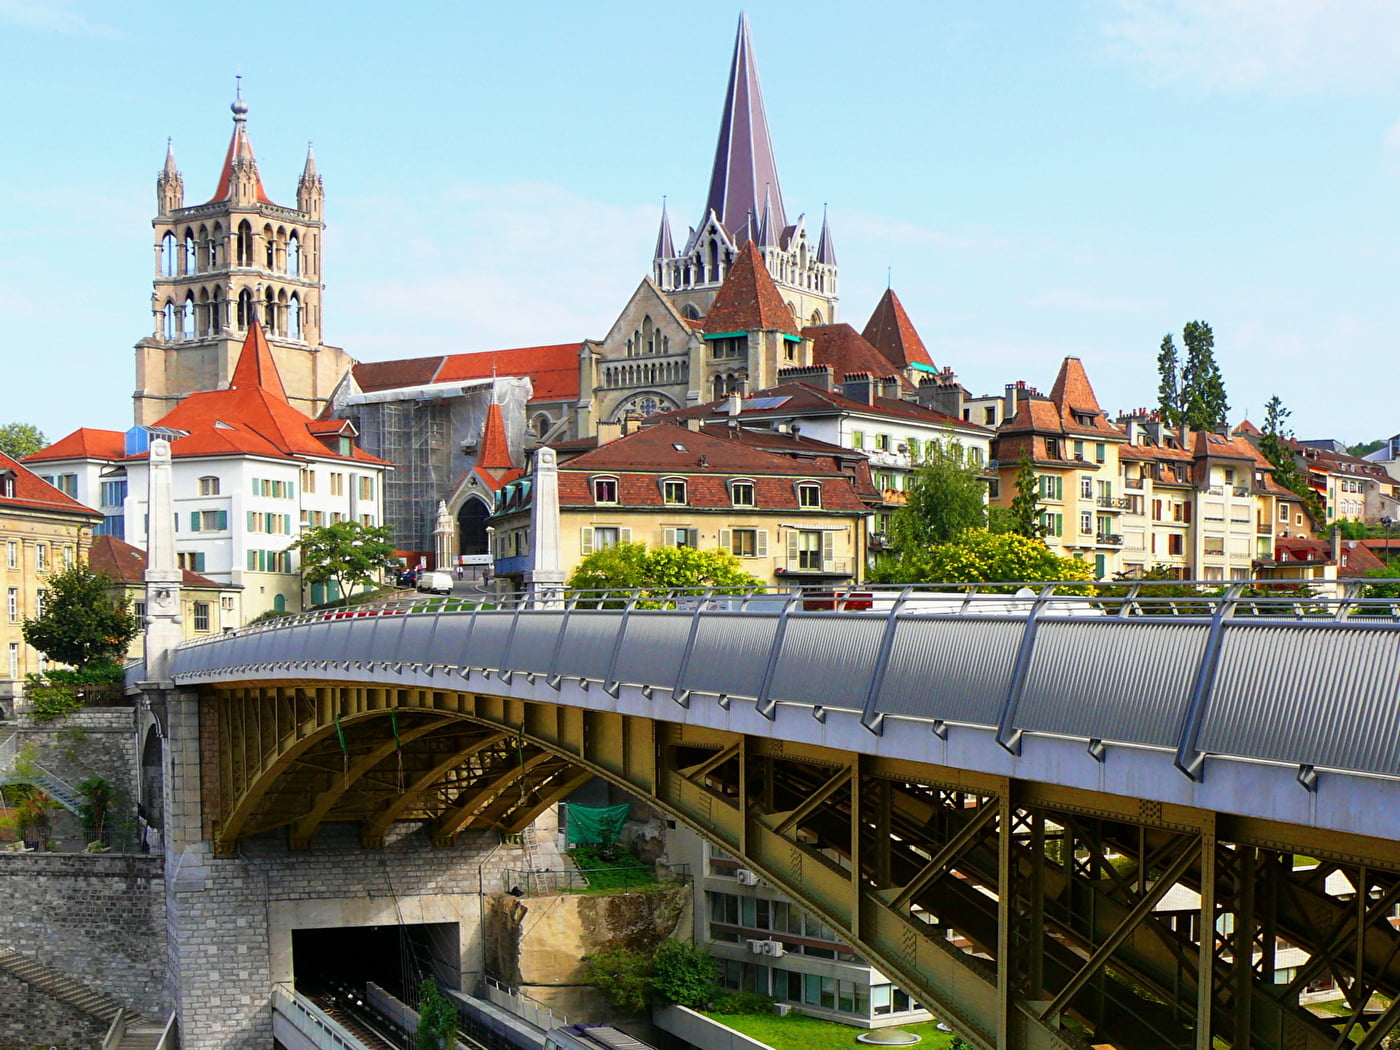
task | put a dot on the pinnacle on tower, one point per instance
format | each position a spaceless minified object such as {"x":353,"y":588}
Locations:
{"x":665,"y":247}
{"x":310,"y":191}
{"x":239,"y":177}
{"x":170,"y":185}
{"x":766,"y":235}
{"x":744,"y":166}
{"x":826,"y":247}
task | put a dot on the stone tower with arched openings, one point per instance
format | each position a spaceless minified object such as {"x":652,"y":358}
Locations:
{"x":219,"y":265}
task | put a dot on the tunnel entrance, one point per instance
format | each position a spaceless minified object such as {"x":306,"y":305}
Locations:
{"x":395,"y":957}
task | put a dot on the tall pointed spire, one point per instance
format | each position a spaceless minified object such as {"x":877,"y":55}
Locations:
{"x":665,"y":247}
{"x":767,"y":237}
{"x":170,"y":186}
{"x":826,"y":247}
{"x":256,"y":369}
{"x":744,"y":163}
{"x":239,"y":175}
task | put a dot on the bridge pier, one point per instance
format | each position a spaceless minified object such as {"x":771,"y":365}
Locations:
{"x":231,"y":919}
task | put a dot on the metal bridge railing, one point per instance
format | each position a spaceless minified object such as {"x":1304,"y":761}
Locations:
{"x":526,"y":1007}
{"x":1377,"y":600}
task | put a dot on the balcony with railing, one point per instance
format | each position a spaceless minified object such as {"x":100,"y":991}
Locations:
{"x":1114,"y":502}
{"x":1108,"y":539}
{"x":810,"y":564}
{"x":1133,"y":483}
{"x":1242,"y":491}
{"x":1264,"y":528}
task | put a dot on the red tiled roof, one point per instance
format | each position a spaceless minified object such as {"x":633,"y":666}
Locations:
{"x":239,"y":148}
{"x":1072,"y":394}
{"x":553,"y":370}
{"x":749,"y":301}
{"x":83,"y":443}
{"x":805,"y":399}
{"x":127,"y":564}
{"x":891,"y":332}
{"x":371,"y":376}
{"x":495,"y":451}
{"x":251,"y":417}
{"x":1358,"y":559}
{"x":707,"y":462}
{"x":33,"y":493}
{"x":847,"y":351}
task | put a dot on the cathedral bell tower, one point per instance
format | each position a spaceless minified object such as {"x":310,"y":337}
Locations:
{"x":224,"y":263}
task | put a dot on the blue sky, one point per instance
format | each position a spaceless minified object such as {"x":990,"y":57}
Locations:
{"x":1041,"y":179}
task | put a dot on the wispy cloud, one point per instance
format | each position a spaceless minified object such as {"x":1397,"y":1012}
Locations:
{"x":1285,"y":47}
{"x":52,"y":16}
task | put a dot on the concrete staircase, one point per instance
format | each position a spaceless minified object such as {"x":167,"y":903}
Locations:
{"x":140,"y":1032}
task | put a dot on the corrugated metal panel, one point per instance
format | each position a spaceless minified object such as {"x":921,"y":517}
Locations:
{"x":1325,"y":696}
{"x":588,"y":644}
{"x":487,"y":647}
{"x":1123,"y":680}
{"x":532,"y":648}
{"x":952,"y":668}
{"x":828,"y":662}
{"x":652,"y":651}
{"x":731,"y":653}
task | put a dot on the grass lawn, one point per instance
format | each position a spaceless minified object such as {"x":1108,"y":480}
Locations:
{"x":798,"y":1032}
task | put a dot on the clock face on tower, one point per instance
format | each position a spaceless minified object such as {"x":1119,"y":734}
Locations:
{"x":647,"y":403}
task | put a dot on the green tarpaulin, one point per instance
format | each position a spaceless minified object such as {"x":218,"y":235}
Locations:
{"x":596,"y":825}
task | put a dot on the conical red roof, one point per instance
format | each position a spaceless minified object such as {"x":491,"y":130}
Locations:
{"x":891,"y":332}
{"x":256,"y":370}
{"x":749,"y":301}
{"x":495,"y":450}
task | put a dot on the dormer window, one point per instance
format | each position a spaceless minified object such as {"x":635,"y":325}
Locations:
{"x":809,"y":495}
{"x":1084,"y":419}
{"x":7,"y":483}
{"x":673,"y":490}
{"x":741,"y":493}
{"x":605,"y":490}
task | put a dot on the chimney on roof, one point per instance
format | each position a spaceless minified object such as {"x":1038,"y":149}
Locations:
{"x":820,"y":376}
{"x":610,"y":430}
{"x":943,"y":397}
{"x":743,"y":386}
{"x":1131,"y":425}
{"x":889,"y":388}
{"x":693,"y":424}
{"x":1013,"y":398}
{"x":733,"y":405}
{"x":858,"y":387}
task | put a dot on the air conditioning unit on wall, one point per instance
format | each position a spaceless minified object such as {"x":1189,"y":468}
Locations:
{"x":747,"y":877}
{"x":774,"y":948}
{"x":757,"y":947}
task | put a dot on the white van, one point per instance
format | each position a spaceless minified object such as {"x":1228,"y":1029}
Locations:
{"x":435,"y":582}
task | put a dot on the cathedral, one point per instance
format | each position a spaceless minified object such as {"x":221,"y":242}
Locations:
{"x":223,"y":263}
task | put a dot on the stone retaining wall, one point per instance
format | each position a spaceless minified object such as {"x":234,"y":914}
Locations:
{"x":29,"y":1018}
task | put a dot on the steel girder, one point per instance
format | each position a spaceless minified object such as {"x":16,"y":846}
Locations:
{"x":1027,"y":915}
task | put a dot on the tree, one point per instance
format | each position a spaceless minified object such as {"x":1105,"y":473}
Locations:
{"x":979,"y":556}
{"x":1365,"y":448}
{"x":943,"y":499}
{"x":346,"y":553}
{"x":1202,"y":401}
{"x":683,"y":973}
{"x":1024,"y":519}
{"x":437,"y":1018}
{"x":1168,"y":383}
{"x":82,"y":624}
{"x":1273,"y":445}
{"x":622,"y":975}
{"x":18,"y":440}
{"x":632,"y":566}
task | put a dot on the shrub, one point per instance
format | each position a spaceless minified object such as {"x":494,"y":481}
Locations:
{"x":622,"y":976}
{"x":730,"y":1002}
{"x":683,"y":973}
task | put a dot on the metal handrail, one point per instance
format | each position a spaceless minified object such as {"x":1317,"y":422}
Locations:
{"x":1318,"y":599}
{"x":523,"y":1005}
{"x":324,"y":1032}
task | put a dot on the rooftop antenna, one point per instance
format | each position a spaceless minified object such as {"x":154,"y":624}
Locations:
{"x":889,"y":277}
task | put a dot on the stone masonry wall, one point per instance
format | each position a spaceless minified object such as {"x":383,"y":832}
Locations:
{"x":99,"y":740}
{"x":231,"y":918}
{"x":99,"y":917}
{"x":29,"y":1018}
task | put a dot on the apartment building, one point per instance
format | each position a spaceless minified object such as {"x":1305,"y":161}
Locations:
{"x":41,"y":530}
{"x":794,"y":518}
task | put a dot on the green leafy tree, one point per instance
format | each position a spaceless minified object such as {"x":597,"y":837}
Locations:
{"x":979,"y":556}
{"x":1168,"y":383}
{"x":1273,"y":445}
{"x":1360,"y":451}
{"x":1024,"y":519}
{"x":944,"y":498}
{"x":622,"y":975}
{"x":658,"y":570}
{"x":1204,"y":405}
{"x":18,"y":440}
{"x":683,"y":973}
{"x":437,"y":1018}
{"x":346,"y":553}
{"x":82,"y":625}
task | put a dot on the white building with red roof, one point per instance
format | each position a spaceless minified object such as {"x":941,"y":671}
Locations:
{"x":249,"y":472}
